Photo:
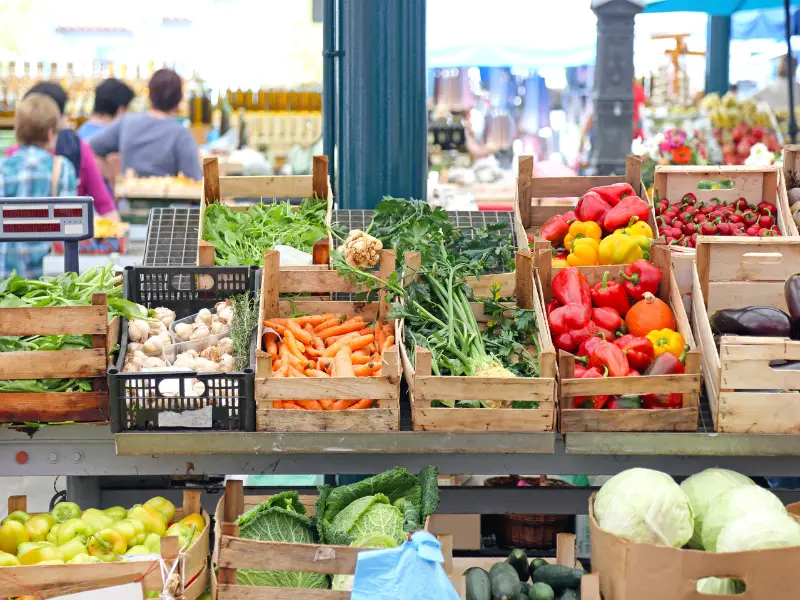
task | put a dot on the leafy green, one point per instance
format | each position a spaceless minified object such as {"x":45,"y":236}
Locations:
{"x":282,"y":518}
{"x":370,"y":514}
{"x":241,"y":237}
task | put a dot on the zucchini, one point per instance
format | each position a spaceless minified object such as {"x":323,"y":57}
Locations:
{"x":558,"y":577}
{"x":524,"y":587}
{"x":535,"y":564}
{"x":569,"y":595}
{"x":519,"y":560}
{"x":505,"y":581}
{"x":478,"y":585}
{"x":541,"y":591}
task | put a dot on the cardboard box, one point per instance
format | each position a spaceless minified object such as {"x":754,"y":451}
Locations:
{"x":465,"y":529}
{"x":633,"y":571}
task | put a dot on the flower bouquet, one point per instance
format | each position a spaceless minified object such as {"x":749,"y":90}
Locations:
{"x":673,"y":147}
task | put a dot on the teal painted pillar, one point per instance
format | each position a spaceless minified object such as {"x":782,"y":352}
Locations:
{"x":383,"y":131}
{"x":718,"y":54}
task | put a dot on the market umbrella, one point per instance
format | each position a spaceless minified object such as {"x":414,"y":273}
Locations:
{"x":727,"y":8}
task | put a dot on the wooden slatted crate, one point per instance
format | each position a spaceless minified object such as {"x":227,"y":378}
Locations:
{"x":91,"y":362}
{"x":54,"y":581}
{"x":384,"y":388}
{"x":425,"y":387}
{"x":745,"y":393}
{"x":316,"y":185}
{"x":232,"y":552}
{"x":583,"y":419}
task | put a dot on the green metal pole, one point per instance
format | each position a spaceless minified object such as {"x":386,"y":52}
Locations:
{"x":383,"y":132}
{"x":718,"y":53}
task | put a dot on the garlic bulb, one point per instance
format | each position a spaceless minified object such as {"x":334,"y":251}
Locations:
{"x":202,"y":365}
{"x":204,"y":317}
{"x":225,"y":346}
{"x":165,"y":315}
{"x":183,"y":331}
{"x":220,"y":306}
{"x":154,"y":346}
{"x":210,"y":353}
{"x":184,"y":360}
{"x":200,"y":332}
{"x":154,"y":363}
{"x":131,"y":368}
{"x":218,"y":327}
{"x":139,"y":358}
{"x":156,"y":327}
{"x":165,"y":338}
{"x":193,"y":353}
{"x":226,"y":316}
{"x":134,"y":346}
{"x":138,"y":330}
{"x":227,"y":363}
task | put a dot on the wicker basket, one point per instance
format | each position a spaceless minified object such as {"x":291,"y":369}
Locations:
{"x":533,"y":532}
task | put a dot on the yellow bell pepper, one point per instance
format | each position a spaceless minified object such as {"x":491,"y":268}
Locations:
{"x":107,"y":545}
{"x":582,"y":229}
{"x":39,"y":526}
{"x":584,"y":253}
{"x":666,"y":340}
{"x":18,"y":515}
{"x":196,"y":520}
{"x":162,"y":505}
{"x":637,"y":227}
{"x":8,"y":560}
{"x":12,"y":534}
{"x":45,"y":552}
{"x":619,"y":249}
{"x":559,"y":262}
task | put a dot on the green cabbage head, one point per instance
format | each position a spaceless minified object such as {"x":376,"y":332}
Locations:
{"x":373,"y":540}
{"x":733,"y":505}
{"x":761,"y":530}
{"x":369,"y":515}
{"x":643,"y":505}
{"x":705,"y":487}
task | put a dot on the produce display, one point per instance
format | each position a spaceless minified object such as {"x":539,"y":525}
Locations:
{"x":327,"y":345}
{"x":672,"y":147}
{"x":738,"y":126}
{"x":608,"y":227}
{"x":378,"y":512}
{"x":681,"y":222}
{"x":129,"y":185}
{"x":240,"y":237}
{"x":70,"y":535}
{"x":716,"y":510}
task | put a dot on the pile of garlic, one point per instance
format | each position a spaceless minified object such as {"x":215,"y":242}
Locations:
{"x":147,"y":340}
{"x":206,"y":323}
{"x":214,"y":359}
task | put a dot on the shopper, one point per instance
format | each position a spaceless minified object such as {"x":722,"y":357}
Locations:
{"x":111,"y":100}
{"x":153,"y":144}
{"x":69,"y":145}
{"x":33,"y":171}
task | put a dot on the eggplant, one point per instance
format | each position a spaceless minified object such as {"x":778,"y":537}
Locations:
{"x":760,"y":321}
{"x":791,"y":293}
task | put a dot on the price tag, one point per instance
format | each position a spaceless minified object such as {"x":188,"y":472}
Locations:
{"x":129,"y":591}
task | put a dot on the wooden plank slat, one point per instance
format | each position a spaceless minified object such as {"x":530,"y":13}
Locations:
{"x":53,"y":364}
{"x":54,"y":406}
{"x":249,"y":592}
{"x":680,"y":419}
{"x":650,"y":384}
{"x":322,"y":282}
{"x":319,"y":177}
{"x":483,"y":419}
{"x":240,"y":553}
{"x":483,"y":388}
{"x":267,"y":187}
{"x":367,"y":420}
{"x":569,"y":187}
{"x":211,"y":187}
{"x":758,"y":412}
{"x":338,"y":388}
{"x":63,"y":320}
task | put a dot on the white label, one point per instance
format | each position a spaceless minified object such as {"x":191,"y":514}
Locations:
{"x":200,"y":418}
{"x":73,"y":228}
{"x":129,"y":591}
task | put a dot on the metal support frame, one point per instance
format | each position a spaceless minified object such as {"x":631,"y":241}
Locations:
{"x":718,"y":52}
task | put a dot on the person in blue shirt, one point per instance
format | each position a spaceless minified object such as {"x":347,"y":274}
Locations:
{"x":111,"y":100}
{"x":33,"y":171}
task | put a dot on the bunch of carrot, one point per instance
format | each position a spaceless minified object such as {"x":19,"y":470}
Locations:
{"x":326,"y":345}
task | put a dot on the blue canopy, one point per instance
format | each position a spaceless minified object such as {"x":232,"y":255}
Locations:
{"x":763,"y":24}
{"x":713,"y":7}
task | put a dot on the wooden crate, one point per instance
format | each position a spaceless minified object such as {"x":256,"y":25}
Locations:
{"x":424,"y":387}
{"x":385,"y":388}
{"x":316,"y":185}
{"x":232,"y":552}
{"x":91,"y":362}
{"x":565,"y":555}
{"x":540,"y":198}
{"x":791,"y":162}
{"x":53,"y":581}
{"x":583,"y":419}
{"x":734,"y":273}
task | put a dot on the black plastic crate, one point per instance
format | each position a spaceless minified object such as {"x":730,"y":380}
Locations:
{"x":138,"y":400}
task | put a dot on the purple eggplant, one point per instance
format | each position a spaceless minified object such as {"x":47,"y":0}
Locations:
{"x":791,"y":293}
{"x":760,"y":321}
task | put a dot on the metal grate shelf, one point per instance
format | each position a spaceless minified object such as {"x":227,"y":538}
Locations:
{"x":172,"y":237}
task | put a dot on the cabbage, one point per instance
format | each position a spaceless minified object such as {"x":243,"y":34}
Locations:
{"x":718,"y":586}
{"x":282,"y":518}
{"x":761,"y":530}
{"x":733,"y":505}
{"x":372,"y":540}
{"x":369,"y":515}
{"x":643,"y":505}
{"x":703,"y":488}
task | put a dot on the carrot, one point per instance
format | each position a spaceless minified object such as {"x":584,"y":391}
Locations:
{"x":342,"y":404}
{"x":388,"y":343}
{"x":284,"y":370}
{"x":309,"y":328}
{"x":332,"y":322}
{"x":298,"y":332}
{"x":292,"y":344}
{"x":313,"y":320}
{"x":367,"y":403}
{"x":325,"y":362}
{"x":364,"y":370}
{"x":276,"y":365}
{"x":319,"y":345}
{"x":361,"y":341}
{"x":366,"y":330}
{"x":353,"y":325}
{"x":290,"y":359}
{"x":272,"y":343}
{"x":316,"y":373}
{"x":277,"y":404}
{"x":326,"y":404}
{"x":281,"y":329}
{"x":290,"y":404}
{"x":343,"y":363}
{"x":279,"y":321}
{"x":293,"y":372}
{"x":388,"y":328}
{"x":371,"y":348}
{"x":333,"y":349}
{"x":310,"y":404}
{"x":380,"y":336}
{"x":360,"y":359}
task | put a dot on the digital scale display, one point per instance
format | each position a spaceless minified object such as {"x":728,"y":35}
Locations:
{"x":31,"y":227}
{"x":46,"y":219}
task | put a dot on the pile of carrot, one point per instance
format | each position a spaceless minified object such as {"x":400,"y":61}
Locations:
{"x":326,"y":345}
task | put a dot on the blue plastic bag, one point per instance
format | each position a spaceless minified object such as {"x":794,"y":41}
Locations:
{"x":412,"y":571}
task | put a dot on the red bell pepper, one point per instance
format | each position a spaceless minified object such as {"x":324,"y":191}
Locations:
{"x":638,"y":350}
{"x":592,"y":207}
{"x":610,"y":356}
{"x":571,"y":286}
{"x":614,"y":193}
{"x":551,"y":306}
{"x":639,"y":277}
{"x":627,"y":401}
{"x":570,"y":325}
{"x":622,"y":213}
{"x":610,"y":294}
{"x":666,"y":364}
{"x":554,"y":230}
{"x":593,"y":402}
{"x":607,"y":319}
{"x":579,"y":370}
{"x":588,"y":345}
{"x":569,"y":217}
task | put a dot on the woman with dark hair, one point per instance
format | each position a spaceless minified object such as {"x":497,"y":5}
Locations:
{"x":68,"y":145}
{"x":153,"y":144}
{"x":111,"y":100}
